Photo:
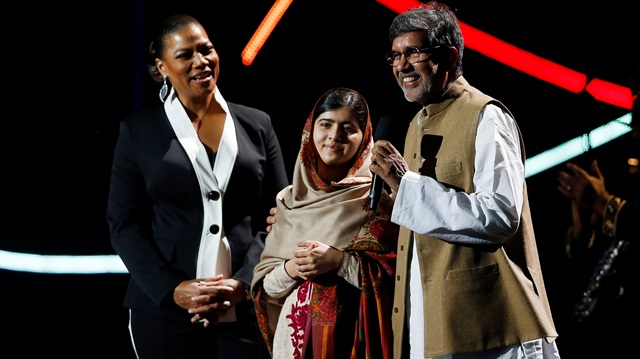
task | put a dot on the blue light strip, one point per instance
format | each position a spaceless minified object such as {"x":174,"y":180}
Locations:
{"x":61,"y":264}
{"x":578,"y":145}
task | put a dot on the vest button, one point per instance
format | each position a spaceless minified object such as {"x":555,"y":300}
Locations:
{"x":214,"y":229}
{"x":213,"y":195}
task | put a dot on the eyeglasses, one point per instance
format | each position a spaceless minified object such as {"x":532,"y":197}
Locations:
{"x":411,"y":54}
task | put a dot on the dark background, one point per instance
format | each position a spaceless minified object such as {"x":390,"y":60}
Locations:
{"x":72,"y":71}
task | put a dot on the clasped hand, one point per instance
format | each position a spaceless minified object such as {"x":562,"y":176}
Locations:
{"x":313,"y":259}
{"x":208,"y":298}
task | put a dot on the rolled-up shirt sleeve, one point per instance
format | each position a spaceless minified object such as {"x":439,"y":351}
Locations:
{"x":278,"y":281}
{"x":491,"y":213}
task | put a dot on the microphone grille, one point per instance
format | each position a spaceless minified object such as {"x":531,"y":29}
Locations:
{"x":384,"y":129}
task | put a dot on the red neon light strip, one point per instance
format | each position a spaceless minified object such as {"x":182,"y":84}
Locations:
{"x":399,"y":5}
{"x":483,"y":43}
{"x":522,"y":60}
{"x":610,"y":93}
{"x":531,"y":64}
{"x":264,"y":30}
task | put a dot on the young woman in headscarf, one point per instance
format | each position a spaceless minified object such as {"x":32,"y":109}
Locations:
{"x":324,"y":284}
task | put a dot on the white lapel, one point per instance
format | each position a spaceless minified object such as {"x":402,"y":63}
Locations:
{"x":228,"y":147}
{"x":189,"y":140}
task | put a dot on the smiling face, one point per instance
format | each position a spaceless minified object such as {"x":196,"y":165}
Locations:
{"x":422,"y":82}
{"x":190,"y":62}
{"x":337,"y":137}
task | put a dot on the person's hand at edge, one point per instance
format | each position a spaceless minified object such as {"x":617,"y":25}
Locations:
{"x":588,"y":191}
{"x":271,"y":219}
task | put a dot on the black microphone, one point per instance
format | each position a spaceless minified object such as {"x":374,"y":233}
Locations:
{"x":384,"y":131}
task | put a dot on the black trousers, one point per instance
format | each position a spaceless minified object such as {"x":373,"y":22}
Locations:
{"x":155,"y":337}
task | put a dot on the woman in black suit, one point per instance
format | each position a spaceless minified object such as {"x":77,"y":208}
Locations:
{"x":189,"y":179}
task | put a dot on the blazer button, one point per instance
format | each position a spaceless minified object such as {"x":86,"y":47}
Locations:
{"x":214,"y":229}
{"x":213,"y":195}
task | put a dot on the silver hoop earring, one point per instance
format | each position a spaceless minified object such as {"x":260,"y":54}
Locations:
{"x":164,"y":89}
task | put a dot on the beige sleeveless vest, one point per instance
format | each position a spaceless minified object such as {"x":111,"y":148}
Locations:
{"x":475,"y":297}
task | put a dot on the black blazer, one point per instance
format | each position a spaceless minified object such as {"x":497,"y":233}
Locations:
{"x":155,"y":211}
